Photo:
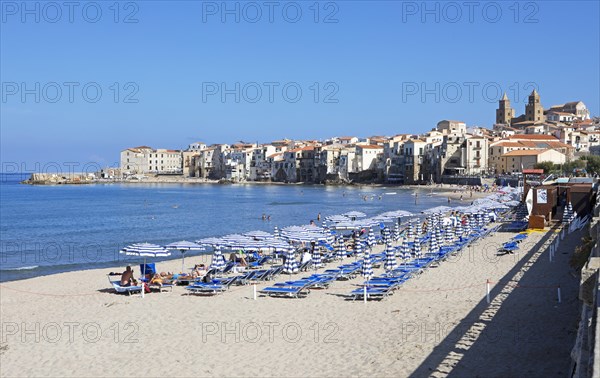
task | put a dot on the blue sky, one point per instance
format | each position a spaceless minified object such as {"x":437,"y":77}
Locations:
{"x":385,"y":67}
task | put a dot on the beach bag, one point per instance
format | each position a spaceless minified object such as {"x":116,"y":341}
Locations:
{"x":146,"y":288}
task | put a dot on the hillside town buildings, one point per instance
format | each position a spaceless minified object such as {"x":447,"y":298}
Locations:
{"x":452,"y":149}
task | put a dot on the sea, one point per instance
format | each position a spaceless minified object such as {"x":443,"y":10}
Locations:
{"x":47,"y":229}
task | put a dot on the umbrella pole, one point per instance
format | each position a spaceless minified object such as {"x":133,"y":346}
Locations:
{"x":143,"y":277}
{"x":183,"y":261}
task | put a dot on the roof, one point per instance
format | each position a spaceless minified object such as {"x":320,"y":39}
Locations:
{"x":524,"y":152}
{"x":370,"y":146}
{"x":345,"y":138}
{"x":532,"y":137}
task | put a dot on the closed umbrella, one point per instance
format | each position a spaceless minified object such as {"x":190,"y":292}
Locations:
{"x":396,"y":231}
{"x":367,"y":266}
{"x":218,"y":261}
{"x":410,"y":232}
{"x":291,"y":265}
{"x":449,"y":234}
{"x":341,"y":249}
{"x":390,"y":258}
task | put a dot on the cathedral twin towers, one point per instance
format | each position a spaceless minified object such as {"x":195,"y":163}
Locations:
{"x":534,"y":111}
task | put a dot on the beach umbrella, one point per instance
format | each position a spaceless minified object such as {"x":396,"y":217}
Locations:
{"x":316,"y":257}
{"x":449,"y":234}
{"x":467,"y":226}
{"x":358,"y":249}
{"x":387,"y":235}
{"x":184,"y":246}
{"x":416,"y":249}
{"x":458,"y":230}
{"x":390,"y":258}
{"x":406,"y":249}
{"x":438,"y":233}
{"x":396,"y":231}
{"x":371,"y":238}
{"x":418,"y":229}
{"x":367,"y":266}
{"x":276,"y":232}
{"x":486,"y":218}
{"x":291,"y":265}
{"x":410,"y":232}
{"x":145,"y":250}
{"x":341,"y":249}
{"x":354,"y":214}
{"x":218,"y":261}
{"x":433,"y":244}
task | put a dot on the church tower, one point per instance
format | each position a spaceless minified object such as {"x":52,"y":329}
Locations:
{"x":534,"y":111}
{"x":504,"y":113}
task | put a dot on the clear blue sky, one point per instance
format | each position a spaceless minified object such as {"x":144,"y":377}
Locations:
{"x":373,"y":54}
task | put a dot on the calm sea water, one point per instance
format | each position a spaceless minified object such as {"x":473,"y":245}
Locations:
{"x":50,"y":229}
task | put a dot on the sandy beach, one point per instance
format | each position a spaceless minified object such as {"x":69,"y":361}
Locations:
{"x":437,"y":324}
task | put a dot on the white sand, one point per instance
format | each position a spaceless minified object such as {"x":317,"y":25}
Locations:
{"x":172,"y":334}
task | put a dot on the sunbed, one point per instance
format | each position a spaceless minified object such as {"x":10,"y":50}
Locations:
{"x":124,"y":289}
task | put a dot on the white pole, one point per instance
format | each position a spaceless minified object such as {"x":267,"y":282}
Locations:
{"x":143,"y":277}
{"x":365,"y":293}
{"x":558,"y":293}
{"x":487,"y":290}
{"x":254,"y":290}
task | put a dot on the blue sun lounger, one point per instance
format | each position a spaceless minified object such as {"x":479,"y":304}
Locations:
{"x":372,"y":293}
{"x":124,"y":289}
{"x":292,"y":291}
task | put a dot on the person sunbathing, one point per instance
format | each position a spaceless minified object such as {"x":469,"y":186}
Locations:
{"x":199,"y":270}
{"x":238,"y":258}
{"x":157,"y":279}
{"x":127,"y":277}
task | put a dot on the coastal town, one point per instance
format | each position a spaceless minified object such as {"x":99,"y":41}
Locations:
{"x":451,"y":150}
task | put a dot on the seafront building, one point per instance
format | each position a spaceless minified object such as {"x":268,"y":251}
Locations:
{"x":449,"y":151}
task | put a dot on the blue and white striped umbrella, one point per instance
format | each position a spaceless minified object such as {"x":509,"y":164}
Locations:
{"x":467,"y":226}
{"x":276,"y":232}
{"x":218,"y":261}
{"x":458,"y":230}
{"x":486,"y":218}
{"x":433,"y":244}
{"x":406,"y":249}
{"x":145,"y":250}
{"x":291,"y":265}
{"x":387,"y":237}
{"x":418,"y":229}
{"x":390,"y":258}
{"x":340,"y":251}
{"x":410,"y":231}
{"x":416,"y":249}
{"x":358,"y":249}
{"x":438,"y":233}
{"x":184,"y":246}
{"x":316,"y":258}
{"x":396,"y":231}
{"x":371,"y":239}
{"x":367,"y":266}
{"x":479,"y":220}
{"x":449,"y":234}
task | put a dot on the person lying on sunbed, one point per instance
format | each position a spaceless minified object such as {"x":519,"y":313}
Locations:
{"x":199,"y":270}
{"x":127,"y":277}
{"x":157,"y":279}
{"x":238,"y":258}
